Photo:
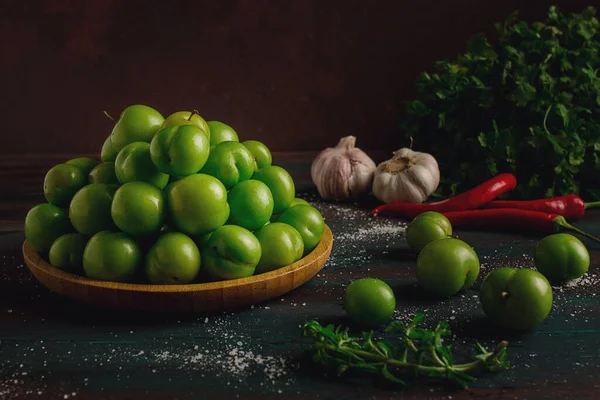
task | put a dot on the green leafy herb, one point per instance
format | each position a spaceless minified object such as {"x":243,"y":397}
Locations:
{"x":528,"y":103}
{"x":417,"y":351}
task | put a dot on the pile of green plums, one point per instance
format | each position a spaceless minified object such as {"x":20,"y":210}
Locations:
{"x":173,"y":200}
{"x":515,"y":298}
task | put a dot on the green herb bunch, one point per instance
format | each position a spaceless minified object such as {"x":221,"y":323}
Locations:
{"x":417,"y":352}
{"x":528,"y":104}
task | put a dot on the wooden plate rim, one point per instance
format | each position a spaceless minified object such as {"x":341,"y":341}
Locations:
{"x":35,"y":260}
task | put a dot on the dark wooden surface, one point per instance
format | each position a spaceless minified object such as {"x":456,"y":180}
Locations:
{"x":300,"y":73}
{"x":51,"y":348}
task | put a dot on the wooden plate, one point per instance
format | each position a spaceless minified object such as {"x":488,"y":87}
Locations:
{"x":200,"y":297}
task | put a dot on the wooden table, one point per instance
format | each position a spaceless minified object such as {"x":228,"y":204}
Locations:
{"x":52,"y":348}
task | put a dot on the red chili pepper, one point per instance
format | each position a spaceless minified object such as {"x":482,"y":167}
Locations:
{"x":471,"y":199}
{"x":510,"y":218}
{"x":570,"y":206}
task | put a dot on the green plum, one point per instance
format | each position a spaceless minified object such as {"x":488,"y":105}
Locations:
{"x":308,"y":221}
{"x":134,"y":163}
{"x":112,"y":256}
{"x":231,"y":252}
{"x":62,"y":182}
{"x":174,"y":259}
{"x":85,"y":163}
{"x":281,"y":184}
{"x":109,"y":152}
{"x":197,"y":204}
{"x":260,"y":152}
{"x":446,"y":266}
{"x":138,"y":208}
{"x":251,"y":204}
{"x":426,"y":228}
{"x":187,"y":118}
{"x":281,"y":245}
{"x":137,"y":123}
{"x":89,"y":211}
{"x":561,"y":257}
{"x":369,"y":302}
{"x":202,"y":240}
{"x":516,"y":298}
{"x":296,"y":201}
{"x":180,"y":150}
{"x":66,"y":252}
{"x":104,"y":173}
{"x":220,"y":132}
{"x":44,"y":224}
{"x":229,"y":162}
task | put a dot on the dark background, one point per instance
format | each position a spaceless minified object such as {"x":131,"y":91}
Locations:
{"x":295,"y":74}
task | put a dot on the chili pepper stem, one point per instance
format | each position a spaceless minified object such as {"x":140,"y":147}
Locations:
{"x":589,"y":206}
{"x":562,"y":222}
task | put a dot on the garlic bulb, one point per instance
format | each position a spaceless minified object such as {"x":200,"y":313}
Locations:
{"x":409,"y":176}
{"x":342,"y":172}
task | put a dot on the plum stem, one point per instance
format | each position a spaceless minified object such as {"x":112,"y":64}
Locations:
{"x":109,"y":116}
{"x":192,"y":114}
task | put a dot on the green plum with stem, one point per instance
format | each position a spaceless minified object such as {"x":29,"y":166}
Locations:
{"x":516,"y":298}
{"x":137,"y":123}
{"x":188,"y":118}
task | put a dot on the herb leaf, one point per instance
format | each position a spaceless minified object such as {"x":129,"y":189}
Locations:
{"x":528,"y":103}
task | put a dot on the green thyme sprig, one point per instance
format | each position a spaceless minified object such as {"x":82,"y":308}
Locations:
{"x":419,"y":351}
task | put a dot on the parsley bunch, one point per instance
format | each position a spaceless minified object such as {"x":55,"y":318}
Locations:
{"x":418,"y":352}
{"x":529,"y":104}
